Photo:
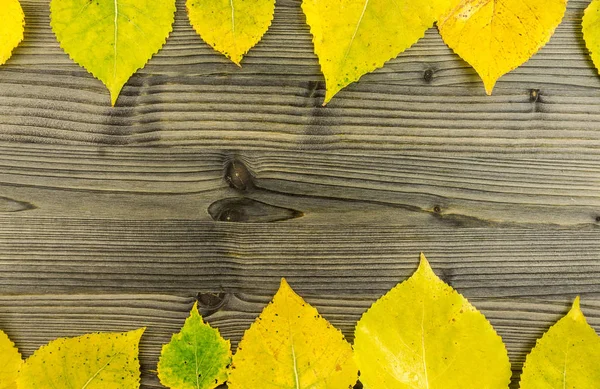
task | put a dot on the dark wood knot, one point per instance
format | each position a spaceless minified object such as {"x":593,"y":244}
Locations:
{"x":238,"y":176}
{"x":428,"y":75}
{"x":534,"y":95}
{"x":209,"y":303}
{"x":244,"y":210}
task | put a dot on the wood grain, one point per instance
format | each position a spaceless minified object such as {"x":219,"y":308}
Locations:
{"x":402,"y":187}
{"x":101,"y":256}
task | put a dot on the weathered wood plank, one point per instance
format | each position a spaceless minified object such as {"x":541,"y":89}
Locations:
{"x":90,"y":255}
{"x":410,"y":187}
{"x":32,"y":321}
{"x":188,"y":94}
{"x":393,"y":146}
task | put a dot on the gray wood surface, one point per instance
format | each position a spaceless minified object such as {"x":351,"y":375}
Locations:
{"x":211,"y":182}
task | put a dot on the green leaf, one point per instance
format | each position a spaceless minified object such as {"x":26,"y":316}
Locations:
{"x":92,"y":361}
{"x":231,"y":27}
{"x":11,"y":28}
{"x":566,"y":357}
{"x":424,"y":335}
{"x":112,"y":39}
{"x":355,"y":37}
{"x":196,"y":358}
{"x":11,"y":363}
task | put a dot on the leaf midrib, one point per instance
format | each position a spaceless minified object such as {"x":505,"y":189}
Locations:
{"x":100,"y":370}
{"x":116,"y":29}
{"x":356,"y":30}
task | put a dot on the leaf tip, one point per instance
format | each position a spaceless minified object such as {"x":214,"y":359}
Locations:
{"x":113,"y":98}
{"x":330,"y":92}
{"x":489,"y":85}
{"x":424,"y":264}
{"x":195,"y":309}
{"x":575,"y":311}
{"x":237,"y":61}
{"x":138,"y":333}
{"x":285,"y":289}
{"x":284,"y":284}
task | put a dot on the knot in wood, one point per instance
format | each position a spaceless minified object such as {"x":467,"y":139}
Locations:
{"x":534,"y":95}
{"x":209,"y":303}
{"x":428,"y":75}
{"x":238,"y":176}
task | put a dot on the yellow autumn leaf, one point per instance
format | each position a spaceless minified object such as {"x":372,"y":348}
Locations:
{"x":355,"y":37}
{"x":496,"y":37}
{"x":231,"y":27}
{"x":11,"y":27}
{"x":11,"y":363}
{"x":290,"y":346}
{"x":591,"y":31}
{"x":424,"y":335}
{"x":92,"y":361}
{"x":112,"y":39}
{"x":566,"y":357}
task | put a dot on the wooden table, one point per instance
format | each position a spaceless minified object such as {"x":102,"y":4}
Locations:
{"x":108,"y":214}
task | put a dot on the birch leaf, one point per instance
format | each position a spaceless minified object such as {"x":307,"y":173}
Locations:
{"x":591,"y":31}
{"x":496,"y":37}
{"x":290,"y":346}
{"x":196,"y":358}
{"x":567,"y":356}
{"x":424,"y":335}
{"x":231,"y":27}
{"x":355,"y":37}
{"x":11,"y":363}
{"x":112,"y":39}
{"x":92,"y":361}
{"x":11,"y":28}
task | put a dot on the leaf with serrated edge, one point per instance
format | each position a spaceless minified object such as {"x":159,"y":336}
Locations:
{"x":112,"y":39}
{"x":196,"y":358}
{"x":11,"y":28}
{"x":496,"y":37}
{"x":92,"y":361}
{"x":290,"y":346}
{"x":567,"y":356}
{"x":355,"y":37}
{"x":591,"y":31}
{"x":11,"y":363}
{"x":424,"y":335}
{"x":231,"y":27}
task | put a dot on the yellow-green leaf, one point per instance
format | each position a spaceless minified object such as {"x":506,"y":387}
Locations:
{"x":496,"y":37}
{"x":10,"y":363}
{"x":196,"y":358}
{"x":591,"y":31}
{"x":355,"y":37}
{"x":112,"y":39}
{"x":11,"y":27}
{"x":92,"y":361}
{"x":566,"y":357}
{"x":424,"y":335}
{"x":290,"y":346}
{"x":231,"y":27}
